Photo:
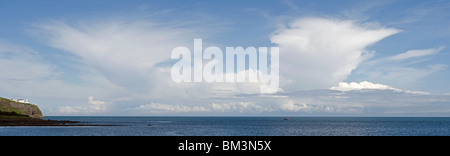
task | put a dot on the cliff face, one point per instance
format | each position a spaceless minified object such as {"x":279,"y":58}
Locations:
{"x":20,"y":108}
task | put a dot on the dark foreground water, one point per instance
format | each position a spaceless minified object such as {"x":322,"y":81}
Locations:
{"x":241,"y":126}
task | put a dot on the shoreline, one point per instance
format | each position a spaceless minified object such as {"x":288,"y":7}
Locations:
{"x":36,"y":122}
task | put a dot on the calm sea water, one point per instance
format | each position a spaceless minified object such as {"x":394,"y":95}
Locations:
{"x":240,"y":126}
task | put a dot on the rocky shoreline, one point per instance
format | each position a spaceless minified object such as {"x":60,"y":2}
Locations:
{"x":42,"y":122}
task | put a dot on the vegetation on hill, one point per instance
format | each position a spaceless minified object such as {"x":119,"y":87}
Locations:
{"x":12,"y":115}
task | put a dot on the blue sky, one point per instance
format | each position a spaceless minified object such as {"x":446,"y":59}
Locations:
{"x":111,"y":57}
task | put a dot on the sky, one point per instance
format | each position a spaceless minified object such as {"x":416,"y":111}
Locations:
{"x":336,"y":58}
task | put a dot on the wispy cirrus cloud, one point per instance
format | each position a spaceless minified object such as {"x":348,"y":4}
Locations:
{"x":415,"y":54}
{"x":22,"y":63}
{"x":402,"y":69}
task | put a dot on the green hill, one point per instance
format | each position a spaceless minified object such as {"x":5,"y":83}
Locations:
{"x":14,"y":109}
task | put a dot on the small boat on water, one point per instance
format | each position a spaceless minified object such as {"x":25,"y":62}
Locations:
{"x":286,"y":119}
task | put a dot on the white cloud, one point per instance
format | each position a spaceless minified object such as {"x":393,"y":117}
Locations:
{"x":134,"y":55}
{"x":344,"y":86}
{"x":317,"y":53}
{"x":124,"y":52}
{"x":93,"y":107}
{"x":94,"y":102}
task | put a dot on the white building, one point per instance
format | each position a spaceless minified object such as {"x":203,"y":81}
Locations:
{"x":20,"y":100}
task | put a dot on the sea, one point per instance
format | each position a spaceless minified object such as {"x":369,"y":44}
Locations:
{"x":240,"y":126}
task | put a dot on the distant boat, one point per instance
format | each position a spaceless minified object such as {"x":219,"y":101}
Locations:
{"x":286,"y":119}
